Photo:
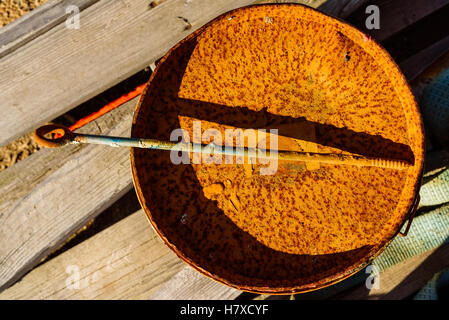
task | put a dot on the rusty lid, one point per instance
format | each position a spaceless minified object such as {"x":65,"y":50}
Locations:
{"x":327,"y":88}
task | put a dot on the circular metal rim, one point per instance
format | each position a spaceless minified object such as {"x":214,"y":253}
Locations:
{"x":330,"y":280}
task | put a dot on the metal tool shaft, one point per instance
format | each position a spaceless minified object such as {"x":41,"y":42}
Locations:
{"x":66,"y":136}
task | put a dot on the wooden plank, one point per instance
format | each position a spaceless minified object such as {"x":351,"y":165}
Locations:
{"x":430,"y":74}
{"x":50,"y":195}
{"x":338,"y":8}
{"x":396,"y":15}
{"x":435,"y":162}
{"x":64,"y":187}
{"x":310,"y":3}
{"x":126,"y":261}
{"x":402,"y":13}
{"x":341,"y":8}
{"x":405,"y":278}
{"x":415,"y":65}
{"x":63,"y":68}
{"x":189,"y":284}
{"x":36,"y":22}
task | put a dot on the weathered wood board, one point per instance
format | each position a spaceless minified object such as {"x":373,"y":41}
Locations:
{"x":341,"y":8}
{"x":63,"y":186}
{"x":414,"y":66}
{"x":64,"y":67}
{"x":50,"y":195}
{"x":33,"y":238}
{"x":189,"y":284}
{"x":429,"y":74}
{"x":396,"y":15}
{"x":125,"y":261}
{"x":37,"y":22}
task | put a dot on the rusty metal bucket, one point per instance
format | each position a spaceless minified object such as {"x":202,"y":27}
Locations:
{"x":326,"y":87}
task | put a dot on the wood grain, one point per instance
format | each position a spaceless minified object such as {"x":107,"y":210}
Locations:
{"x":125,"y":261}
{"x":405,"y":278}
{"x":50,"y":195}
{"x":35,"y":23}
{"x":65,"y":67}
{"x":396,"y":15}
{"x":429,"y":74}
{"x":341,"y":8}
{"x":189,"y":284}
{"x":338,"y":8}
{"x":415,"y":65}
{"x":54,"y":192}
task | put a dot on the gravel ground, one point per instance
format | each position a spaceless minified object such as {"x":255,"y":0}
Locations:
{"x":17,"y":150}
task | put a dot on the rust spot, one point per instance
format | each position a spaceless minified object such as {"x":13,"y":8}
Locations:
{"x":213,"y":190}
{"x":304,"y":227}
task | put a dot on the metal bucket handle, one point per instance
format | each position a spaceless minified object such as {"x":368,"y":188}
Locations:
{"x":411,"y":215}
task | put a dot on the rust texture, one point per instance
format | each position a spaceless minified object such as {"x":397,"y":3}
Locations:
{"x":286,"y":67}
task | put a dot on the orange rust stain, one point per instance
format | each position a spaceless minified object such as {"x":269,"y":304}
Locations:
{"x":307,"y":225}
{"x":213,"y":190}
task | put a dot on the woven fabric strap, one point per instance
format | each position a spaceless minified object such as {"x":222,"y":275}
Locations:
{"x":436,"y":191}
{"x":427,"y":232}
